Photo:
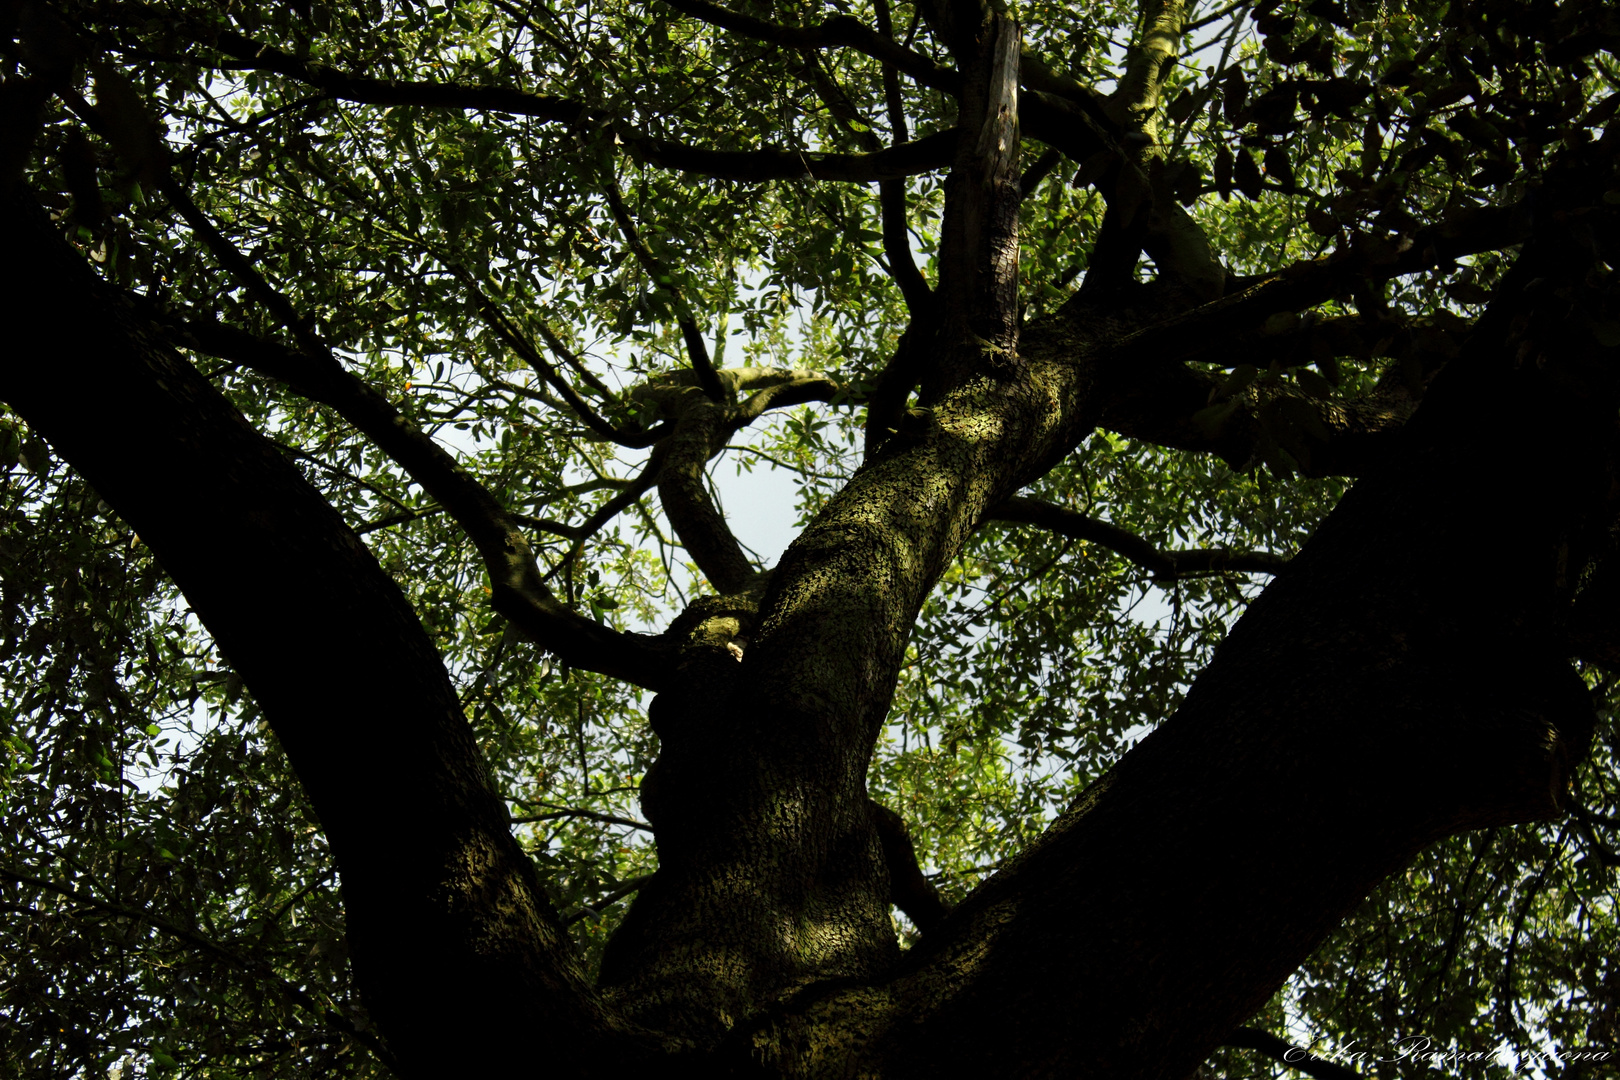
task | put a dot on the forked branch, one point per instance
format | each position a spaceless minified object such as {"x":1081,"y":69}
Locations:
{"x":697,"y":350}
{"x":519,"y":593}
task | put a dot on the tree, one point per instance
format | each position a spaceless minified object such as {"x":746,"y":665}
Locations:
{"x":355,"y":340}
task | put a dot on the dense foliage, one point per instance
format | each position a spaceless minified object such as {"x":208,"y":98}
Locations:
{"x":527,"y":274}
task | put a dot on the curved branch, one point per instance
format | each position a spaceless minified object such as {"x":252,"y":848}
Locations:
{"x":892,"y":193}
{"x":519,"y":594}
{"x":794,"y":391}
{"x":1164,"y":565}
{"x":924,"y":155}
{"x":613,"y":896}
{"x":1309,"y":282}
{"x":497,"y":321}
{"x":1295,"y":1057}
{"x":1169,"y":404}
{"x":840,"y":30}
{"x":517,"y":588}
{"x":909,"y":889}
{"x":700,"y":433}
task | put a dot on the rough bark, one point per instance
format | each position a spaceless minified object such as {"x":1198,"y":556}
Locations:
{"x":1402,"y":681}
{"x":1405,"y":680}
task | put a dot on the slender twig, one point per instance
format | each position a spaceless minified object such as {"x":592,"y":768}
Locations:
{"x":1164,"y":565}
{"x":1216,"y":16}
{"x":507,"y":332}
{"x":1504,"y":993}
{"x":1295,"y":1057}
{"x":592,"y":815}
{"x":625,"y":889}
{"x":628,"y":497}
{"x":697,"y":350}
{"x":397,"y":519}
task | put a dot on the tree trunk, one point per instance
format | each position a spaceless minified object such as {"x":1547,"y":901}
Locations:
{"x":1404,"y":680}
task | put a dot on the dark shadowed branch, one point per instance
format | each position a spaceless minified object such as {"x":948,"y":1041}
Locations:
{"x":892,"y":193}
{"x":1309,"y":282}
{"x":612,"y":896}
{"x":1164,"y":565}
{"x":514,"y":339}
{"x":838,"y":31}
{"x":315,"y":372}
{"x":1295,"y":1057}
{"x":924,"y":155}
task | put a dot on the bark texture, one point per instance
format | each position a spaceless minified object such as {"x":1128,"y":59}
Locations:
{"x":1403,"y":680}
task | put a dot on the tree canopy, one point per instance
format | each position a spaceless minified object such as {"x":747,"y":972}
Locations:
{"x":1200,"y":635}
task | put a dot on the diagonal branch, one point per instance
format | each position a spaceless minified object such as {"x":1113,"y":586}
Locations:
{"x":1309,"y":282}
{"x":700,"y":433}
{"x":702,"y":427}
{"x":924,"y":155}
{"x":519,"y":593}
{"x":1295,"y":1057}
{"x":1136,"y":102}
{"x":626,"y":498}
{"x":1167,"y":404}
{"x":331,"y":648}
{"x":891,"y":193}
{"x":1164,"y":565}
{"x":497,"y":321}
{"x":840,"y":30}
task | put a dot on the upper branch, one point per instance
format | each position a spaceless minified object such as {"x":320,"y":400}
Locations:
{"x":702,"y":427}
{"x":1282,"y":1050}
{"x":518,"y":591}
{"x":508,"y":333}
{"x":1164,"y":565}
{"x":840,"y":30}
{"x":924,"y":155}
{"x":1167,"y":403}
{"x":1309,"y":282}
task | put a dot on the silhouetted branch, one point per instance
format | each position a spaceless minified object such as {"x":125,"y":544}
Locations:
{"x":1295,"y":1057}
{"x":1164,"y":565}
{"x":624,"y":889}
{"x":840,"y":30}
